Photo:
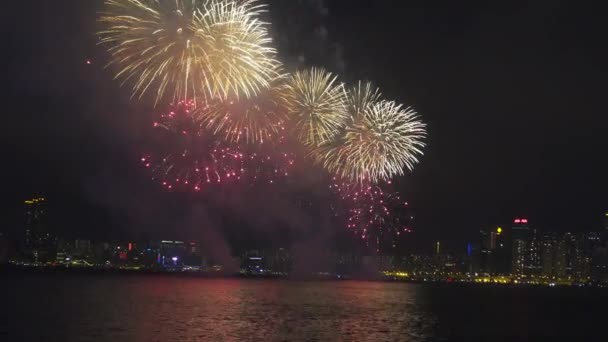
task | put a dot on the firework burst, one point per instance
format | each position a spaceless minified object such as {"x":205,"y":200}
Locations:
{"x":189,"y":156}
{"x":316,"y":104}
{"x":380,"y":140}
{"x":251,"y":120}
{"x":197,"y":49}
{"x":361,"y":98}
{"x":375,"y":216}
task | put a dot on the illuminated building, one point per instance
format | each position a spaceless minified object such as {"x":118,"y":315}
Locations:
{"x":149,"y":255}
{"x":519,"y":252}
{"x":263,"y":262}
{"x":554,"y":251}
{"x":548,"y":253}
{"x":492,"y":256}
{"x":578,"y":262}
{"x":484,"y":259}
{"x":36,"y":222}
{"x":502,"y":252}
{"x":171,"y":253}
{"x":520,"y":241}
{"x":82,"y":248}
{"x":254,"y":263}
{"x":64,"y":250}
{"x":39,"y":243}
{"x":193,"y":257}
{"x":490,"y":239}
{"x":596,"y":243}
{"x":559,"y":263}
{"x":533,"y":254}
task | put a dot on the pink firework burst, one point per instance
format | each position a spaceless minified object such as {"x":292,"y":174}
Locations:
{"x":379,"y":218}
{"x":190,"y":157}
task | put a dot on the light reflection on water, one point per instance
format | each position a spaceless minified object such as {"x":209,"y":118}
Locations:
{"x":186,"y":309}
{"x":164,"y":308}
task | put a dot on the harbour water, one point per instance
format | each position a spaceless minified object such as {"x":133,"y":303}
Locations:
{"x":67,"y":307}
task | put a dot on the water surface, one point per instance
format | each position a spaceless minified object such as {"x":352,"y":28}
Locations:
{"x":165,"y":308}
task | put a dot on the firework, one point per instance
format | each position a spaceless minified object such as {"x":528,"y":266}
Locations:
{"x":268,"y":166}
{"x":251,"y":120}
{"x":189,"y":156}
{"x":197,"y":49}
{"x":375,"y":216}
{"x":361,"y":98}
{"x":381,"y":139}
{"x":316,"y":103}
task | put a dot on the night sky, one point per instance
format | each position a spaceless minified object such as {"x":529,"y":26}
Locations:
{"x":513,"y":95}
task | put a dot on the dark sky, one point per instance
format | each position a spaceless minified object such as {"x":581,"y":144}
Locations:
{"x":513,"y":94}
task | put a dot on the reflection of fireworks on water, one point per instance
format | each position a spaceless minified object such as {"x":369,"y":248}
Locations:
{"x":378,"y":217}
{"x":191,"y":158}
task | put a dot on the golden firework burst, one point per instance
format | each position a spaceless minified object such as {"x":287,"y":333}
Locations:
{"x":200,"y":49}
{"x":255,"y":120}
{"x":317,"y":105}
{"x":381,"y":139}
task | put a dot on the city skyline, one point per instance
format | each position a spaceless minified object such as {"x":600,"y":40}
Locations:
{"x":524,"y":236}
{"x":408,"y":240}
{"x":517,"y":254}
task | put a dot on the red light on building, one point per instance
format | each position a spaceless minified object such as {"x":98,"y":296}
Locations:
{"x":517,"y":221}
{"x":130,"y":246}
{"x":524,"y":220}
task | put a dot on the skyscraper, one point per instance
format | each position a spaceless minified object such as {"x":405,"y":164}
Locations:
{"x":559,"y":262}
{"x":487,"y":258}
{"x":520,"y":237}
{"x":36,"y":229}
{"x":554,"y":250}
{"x":533,"y":254}
{"x":40,"y":245}
{"x":578,"y":262}
{"x":599,"y":258}
{"x":548,"y":246}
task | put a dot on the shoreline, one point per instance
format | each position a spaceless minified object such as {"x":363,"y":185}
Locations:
{"x":7,"y":269}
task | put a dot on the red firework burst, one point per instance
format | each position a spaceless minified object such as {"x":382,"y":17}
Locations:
{"x":188,"y":156}
{"x":378,"y":217}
